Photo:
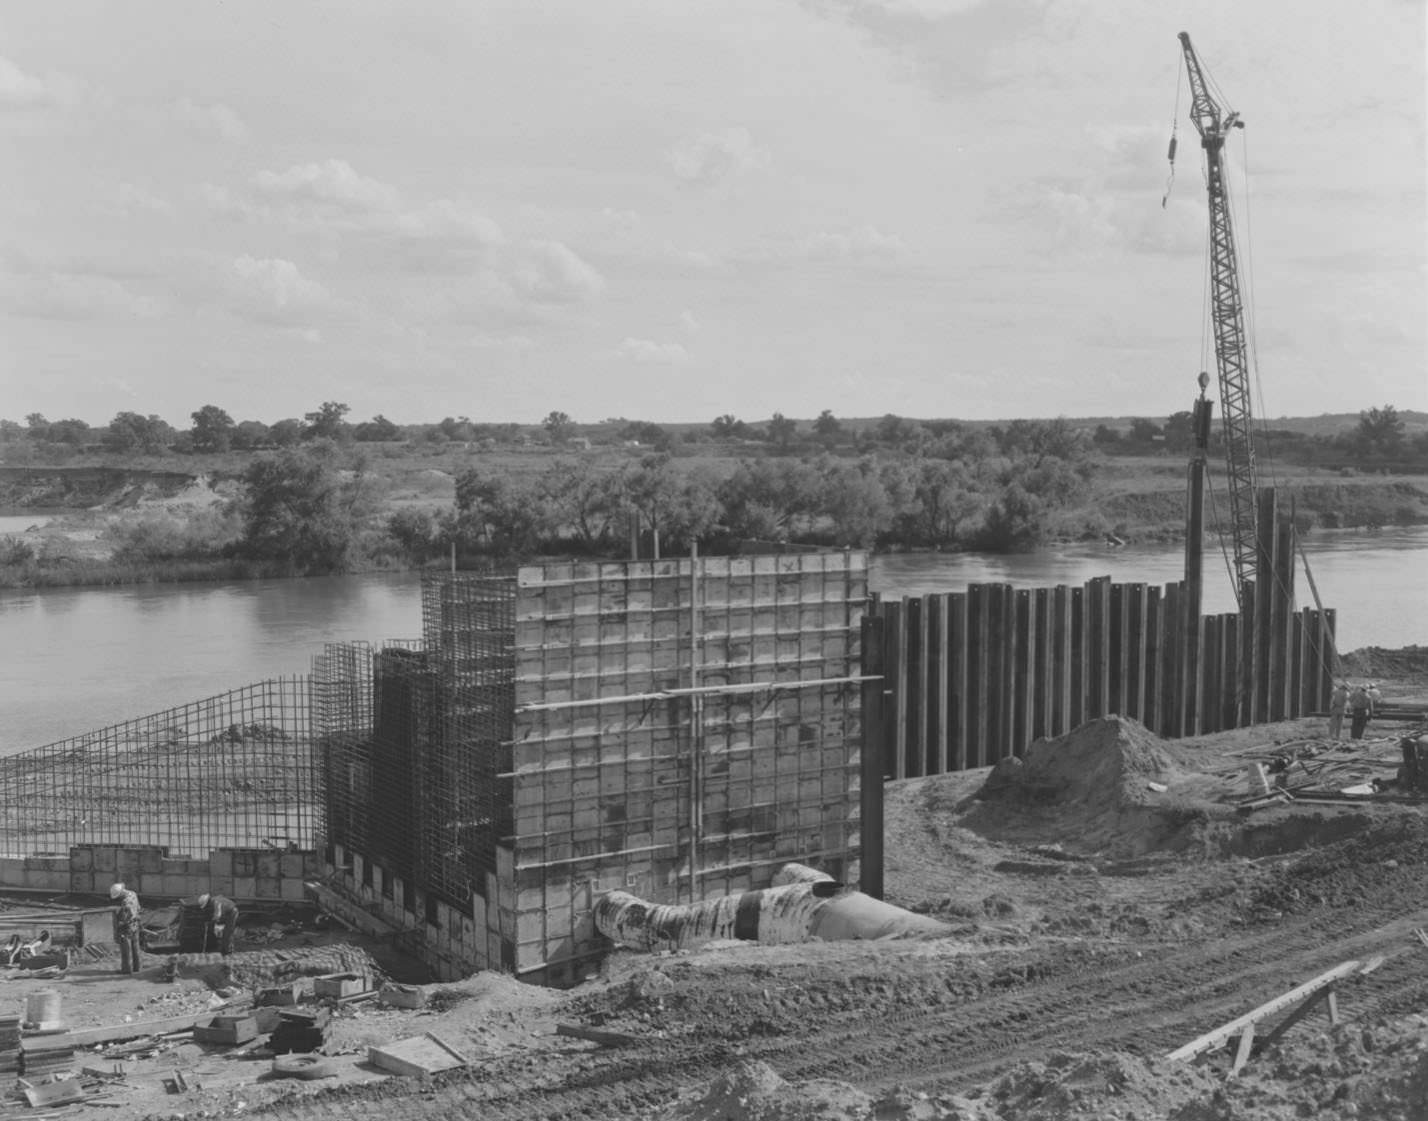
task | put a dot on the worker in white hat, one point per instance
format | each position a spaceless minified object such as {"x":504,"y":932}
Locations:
{"x":126,"y":926}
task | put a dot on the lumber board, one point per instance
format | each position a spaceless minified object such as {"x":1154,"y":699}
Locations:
{"x":86,"y":1037}
{"x":1236,"y":1026}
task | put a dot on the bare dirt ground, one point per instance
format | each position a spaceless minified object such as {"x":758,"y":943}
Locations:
{"x":1097,"y":923}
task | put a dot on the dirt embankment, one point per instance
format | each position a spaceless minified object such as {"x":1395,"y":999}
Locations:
{"x":85,"y":488}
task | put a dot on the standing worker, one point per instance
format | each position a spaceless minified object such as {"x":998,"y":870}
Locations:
{"x":126,"y":926}
{"x":1360,"y":709}
{"x":1338,"y":702}
{"x":220,"y":916}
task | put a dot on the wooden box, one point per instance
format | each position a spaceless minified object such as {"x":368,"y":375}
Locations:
{"x":227,"y":1029}
{"x":339,"y":985}
{"x":402,"y":996}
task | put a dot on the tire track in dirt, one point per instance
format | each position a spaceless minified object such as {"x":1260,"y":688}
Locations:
{"x":1148,"y":1005}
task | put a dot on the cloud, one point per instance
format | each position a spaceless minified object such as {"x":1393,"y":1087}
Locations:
{"x":551,"y":271}
{"x":688,"y":322}
{"x":273,"y":290}
{"x":861,"y":241}
{"x":215,"y":120}
{"x":482,"y":340}
{"x":130,"y":199}
{"x":330,"y":184}
{"x":21,"y":90}
{"x":646,"y":350}
{"x":716,"y":159}
{"x":73,"y":296}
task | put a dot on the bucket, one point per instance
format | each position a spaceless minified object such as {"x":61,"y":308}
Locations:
{"x":42,"y":1010}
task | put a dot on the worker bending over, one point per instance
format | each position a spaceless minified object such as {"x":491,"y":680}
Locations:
{"x":126,"y":926}
{"x":220,"y":916}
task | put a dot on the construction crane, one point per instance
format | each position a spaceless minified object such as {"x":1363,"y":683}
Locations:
{"x":1214,"y":124}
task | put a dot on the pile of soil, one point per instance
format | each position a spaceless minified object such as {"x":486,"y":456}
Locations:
{"x":1408,"y":664}
{"x":1109,"y":785}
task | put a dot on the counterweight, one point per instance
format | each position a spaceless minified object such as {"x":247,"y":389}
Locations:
{"x":1227,"y":314}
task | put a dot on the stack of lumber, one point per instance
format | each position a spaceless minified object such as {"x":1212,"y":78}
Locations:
{"x":47,"y":1054}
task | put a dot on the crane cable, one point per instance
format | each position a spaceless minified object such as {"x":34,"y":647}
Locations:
{"x":1174,"y":127}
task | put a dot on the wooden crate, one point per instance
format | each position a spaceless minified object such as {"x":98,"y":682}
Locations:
{"x":339,"y":985}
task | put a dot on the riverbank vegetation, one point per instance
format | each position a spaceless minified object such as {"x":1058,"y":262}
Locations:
{"x":228,"y":500}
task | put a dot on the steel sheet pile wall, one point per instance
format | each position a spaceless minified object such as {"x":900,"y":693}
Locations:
{"x":235,"y":770}
{"x":682,"y":728}
{"x":974,"y":676}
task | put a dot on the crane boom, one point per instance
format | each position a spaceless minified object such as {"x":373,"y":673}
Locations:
{"x":1227,"y":314}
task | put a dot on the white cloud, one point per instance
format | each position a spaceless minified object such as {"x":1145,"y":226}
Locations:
{"x":552,"y":271}
{"x":688,"y":322}
{"x":861,"y":241}
{"x":216,"y":119}
{"x":74,"y":296}
{"x":274,"y":290}
{"x":646,"y":350}
{"x":483,"y":340}
{"x":22,"y":90}
{"x":716,"y":158}
{"x":130,"y":199}
{"x":330,"y":183}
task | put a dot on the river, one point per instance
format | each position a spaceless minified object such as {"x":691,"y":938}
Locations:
{"x":75,"y":659}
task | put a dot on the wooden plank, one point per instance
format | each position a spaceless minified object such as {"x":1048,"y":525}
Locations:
{"x":957,"y":679}
{"x":604,"y":1038}
{"x":417,"y":1055}
{"x":1225,"y":1031}
{"x":87,"y":1037}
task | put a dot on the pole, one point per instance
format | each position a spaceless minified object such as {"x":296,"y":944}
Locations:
{"x":1194,"y":561}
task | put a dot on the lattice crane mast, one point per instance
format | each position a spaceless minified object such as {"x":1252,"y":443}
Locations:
{"x":1227,"y":313}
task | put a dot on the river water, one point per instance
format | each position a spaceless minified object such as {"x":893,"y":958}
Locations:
{"x":75,"y":659}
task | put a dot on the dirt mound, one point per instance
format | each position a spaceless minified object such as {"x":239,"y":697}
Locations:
{"x":1110,"y":784}
{"x":262,"y":968}
{"x":1069,"y":1085}
{"x":753,"y":1091}
{"x":1408,"y":664}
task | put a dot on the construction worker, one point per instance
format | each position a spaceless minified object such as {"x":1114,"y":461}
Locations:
{"x":1338,"y":702}
{"x":126,"y":926}
{"x":220,"y":914}
{"x":1360,"y":709}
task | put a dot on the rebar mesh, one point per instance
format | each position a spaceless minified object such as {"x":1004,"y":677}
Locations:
{"x":231,"y":770}
{"x":414,"y":736}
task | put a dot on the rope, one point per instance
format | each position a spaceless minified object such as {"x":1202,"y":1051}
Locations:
{"x":1174,"y":126}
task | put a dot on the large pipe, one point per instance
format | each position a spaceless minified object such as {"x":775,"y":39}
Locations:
{"x":803,"y":904}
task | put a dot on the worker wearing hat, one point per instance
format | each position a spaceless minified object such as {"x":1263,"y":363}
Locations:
{"x":220,"y":916}
{"x":1360,"y":709}
{"x":1338,"y":702}
{"x":126,"y":926}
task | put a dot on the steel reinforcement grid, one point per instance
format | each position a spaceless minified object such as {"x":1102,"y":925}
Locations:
{"x":413,"y":736}
{"x":234,"y":770}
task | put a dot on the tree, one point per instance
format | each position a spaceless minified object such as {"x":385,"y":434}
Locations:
{"x":588,"y":502}
{"x":853,"y":498}
{"x":558,"y":426}
{"x":249,"y":434}
{"x":300,"y":512}
{"x":37,"y":426}
{"x":1180,"y":431}
{"x":327,"y":422}
{"x":827,"y":428}
{"x":506,"y":514}
{"x":212,"y":429}
{"x":285,"y":433}
{"x":728,"y":427}
{"x":1015,"y":522}
{"x":782,"y":431}
{"x":1380,"y":431}
{"x":1143,"y":430}
{"x":73,"y":432}
{"x":680,"y":508}
{"x":645,"y":434}
{"x":767,"y":499}
{"x":1106,"y":435}
{"x":129,"y":432}
{"x":377,"y":429}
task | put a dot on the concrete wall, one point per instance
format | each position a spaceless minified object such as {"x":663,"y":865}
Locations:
{"x":244,"y":875}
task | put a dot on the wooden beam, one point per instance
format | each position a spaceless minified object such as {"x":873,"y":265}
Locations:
{"x":1234,"y":1027}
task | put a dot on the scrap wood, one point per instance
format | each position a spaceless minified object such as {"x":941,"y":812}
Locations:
{"x":1306,"y":995}
{"x":1421,"y":935}
{"x":604,"y":1038}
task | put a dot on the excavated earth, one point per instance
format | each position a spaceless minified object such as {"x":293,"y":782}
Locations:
{"x":1108,"y":903}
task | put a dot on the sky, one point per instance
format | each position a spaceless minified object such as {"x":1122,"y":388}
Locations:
{"x":670,"y":210}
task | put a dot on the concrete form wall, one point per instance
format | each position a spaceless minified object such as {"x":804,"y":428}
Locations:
{"x":251,"y":875}
{"x":622,"y":780}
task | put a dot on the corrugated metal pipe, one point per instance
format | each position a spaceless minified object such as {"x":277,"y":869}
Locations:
{"x":803,"y":904}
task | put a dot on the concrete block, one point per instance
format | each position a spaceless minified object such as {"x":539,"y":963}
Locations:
{"x":151,"y":860}
{"x":269,"y":887}
{"x":47,"y":879}
{"x":149,"y":884}
{"x":245,"y":863}
{"x":312,"y":864}
{"x":81,"y":882}
{"x":105,"y":858}
{"x":290,"y":865}
{"x":291,"y":891}
{"x":220,"y":863}
{"x":81,"y":858}
{"x":174,"y":885}
{"x":268,"y":865}
{"x":244,"y":887}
